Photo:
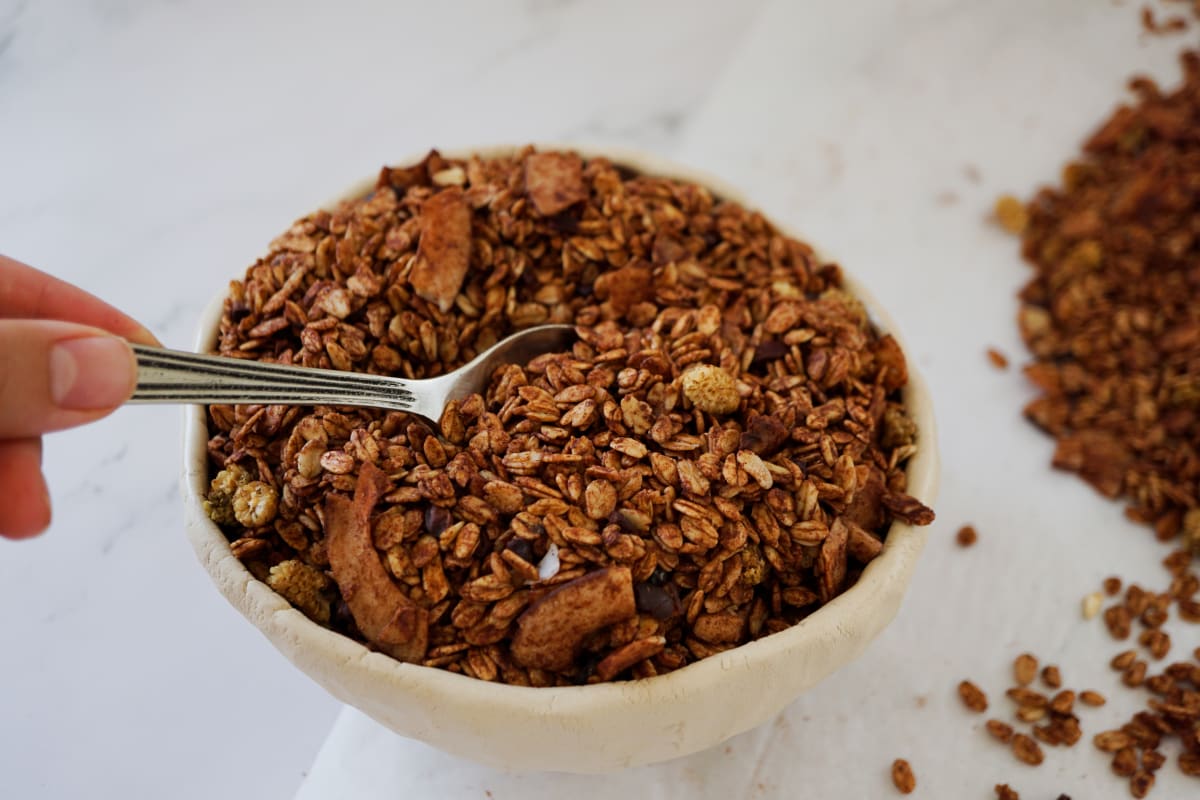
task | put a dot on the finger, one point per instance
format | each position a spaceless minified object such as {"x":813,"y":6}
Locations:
{"x":56,"y":375}
{"x":25,"y":511}
{"x":26,"y":293}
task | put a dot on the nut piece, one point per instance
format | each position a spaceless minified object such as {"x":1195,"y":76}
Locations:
{"x":973,"y":697}
{"x":710,"y":389}
{"x":554,"y":181}
{"x":444,"y":254}
{"x":551,"y":632}
{"x":385,"y":614}
{"x":1092,"y":604}
{"x":254,"y":504}
{"x":902,"y":776}
{"x":303,"y":586}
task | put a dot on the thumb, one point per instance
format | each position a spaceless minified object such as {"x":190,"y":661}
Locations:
{"x":56,"y":375}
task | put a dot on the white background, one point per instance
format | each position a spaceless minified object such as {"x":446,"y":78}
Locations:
{"x":150,"y":150}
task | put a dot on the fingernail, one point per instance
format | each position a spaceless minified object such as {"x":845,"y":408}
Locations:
{"x":90,"y":373}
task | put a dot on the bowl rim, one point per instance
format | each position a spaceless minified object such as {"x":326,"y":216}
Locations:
{"x":855,"y":609}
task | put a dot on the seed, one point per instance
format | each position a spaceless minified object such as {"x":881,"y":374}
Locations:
{"x":998,"y":359}
{"x":1025,"y":669}
{"x":966,"y":536}
{"x":902,"y":776}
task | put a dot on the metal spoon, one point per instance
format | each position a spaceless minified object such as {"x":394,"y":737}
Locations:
{"x":173,"y":376}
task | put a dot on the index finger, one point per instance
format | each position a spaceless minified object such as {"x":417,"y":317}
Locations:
{"x":27,"y":293}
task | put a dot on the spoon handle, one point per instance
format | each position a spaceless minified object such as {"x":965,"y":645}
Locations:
{"x":173,"y":376}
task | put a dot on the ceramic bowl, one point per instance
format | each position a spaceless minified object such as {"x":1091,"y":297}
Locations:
{"x":587,"y":729}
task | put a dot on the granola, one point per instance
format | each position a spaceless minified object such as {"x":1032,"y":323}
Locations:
{"x":721,"y":453}
{"x":1110,"y":314}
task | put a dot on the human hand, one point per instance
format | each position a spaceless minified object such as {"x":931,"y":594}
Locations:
{"x":60,"y":366}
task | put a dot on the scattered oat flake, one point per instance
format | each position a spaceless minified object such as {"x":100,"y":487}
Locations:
{"x":966,"y":536}
{"x":1025,"y":669}
{"x":973,"y":697}
{"x":1027,"y":750}
{"x":902,"y":776}
{"x":1091,"y":698}
{"x":1000,"y":730}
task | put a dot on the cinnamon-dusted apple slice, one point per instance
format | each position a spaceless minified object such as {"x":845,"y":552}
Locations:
{"x":554,"y":182}
{"x":383,"y":612}
{"x":551,"y":631}
{"x":444,"y":253}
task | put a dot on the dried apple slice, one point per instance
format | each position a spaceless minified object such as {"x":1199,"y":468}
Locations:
{"x":386,"y":616}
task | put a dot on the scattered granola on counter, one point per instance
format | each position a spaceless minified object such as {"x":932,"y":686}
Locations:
{"x":902,"y":776}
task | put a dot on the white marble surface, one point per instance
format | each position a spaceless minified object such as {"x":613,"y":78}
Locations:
{"x":148,"y":150}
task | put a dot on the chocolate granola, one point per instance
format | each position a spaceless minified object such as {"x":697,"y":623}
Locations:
{"x":720,"y":454}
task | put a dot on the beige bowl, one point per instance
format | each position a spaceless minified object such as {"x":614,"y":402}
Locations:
{"x":595,"y":728}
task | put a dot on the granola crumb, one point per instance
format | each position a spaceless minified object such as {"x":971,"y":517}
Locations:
{"x":966,"y":536}
{"x":902,"y":776}
{"x":304,"y":587}
{"x":1005,"y":792}
{"x":1011,"y":214}
{"x":1112,"y":585}
{"x":710,"y":389}
{"x":997,"y":358}
{"x":254,"y":504}
{"x":218,"y":505}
